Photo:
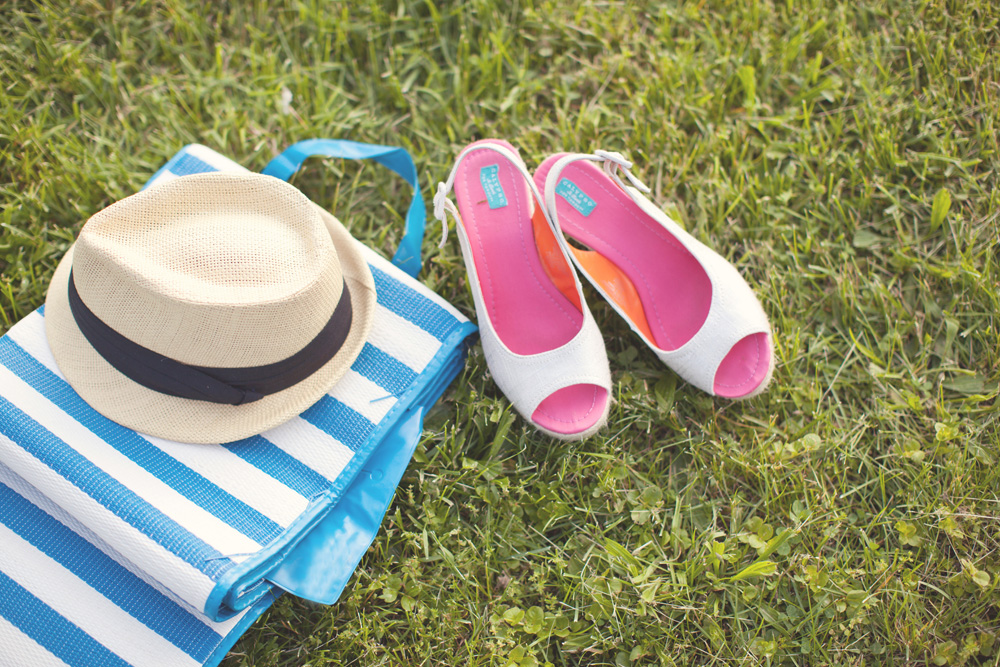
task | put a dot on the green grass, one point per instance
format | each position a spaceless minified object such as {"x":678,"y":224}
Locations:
{"x":843,"y":154}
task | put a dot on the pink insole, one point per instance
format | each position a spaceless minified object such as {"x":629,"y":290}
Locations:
{"x":528,"y":312}
{"x":745,"y":367}
{"x":675,"y":291}
{"x":572,"y":409}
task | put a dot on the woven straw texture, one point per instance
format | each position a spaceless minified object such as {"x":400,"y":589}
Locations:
{"x":219,"y":270}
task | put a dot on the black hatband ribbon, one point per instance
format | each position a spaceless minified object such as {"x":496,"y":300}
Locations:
{"x":233,"y":386}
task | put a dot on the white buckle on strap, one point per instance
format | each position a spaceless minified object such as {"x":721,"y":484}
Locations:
{"x":613,"y":162}
{"x":442,"y":207}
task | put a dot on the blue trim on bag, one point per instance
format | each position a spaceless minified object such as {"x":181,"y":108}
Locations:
{"x":225,"y":600}
{"x":447,"y":369}
{"x":107,"y":491}
{"x":50,"y":630}
{"x":321,"y":564}
{"x":161,"y":465}
{"x":102,"y":573}
{"x":418,"y":309}
{"x":279,"y":464}
{"x":251,"y":616}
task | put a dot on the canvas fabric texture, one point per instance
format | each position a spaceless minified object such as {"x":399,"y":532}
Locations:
{"x":118,"y":548}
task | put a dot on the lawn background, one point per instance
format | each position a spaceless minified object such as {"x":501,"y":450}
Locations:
{"x":843,"y":155}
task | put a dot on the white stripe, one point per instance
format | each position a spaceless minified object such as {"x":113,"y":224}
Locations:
{"x":200,"y":522}
{"x":29,"y":334}
{"x":18,"y":649}
{"x":42,"y":502}
{"x":164,"y":177}
{"x":217,"y":464}
{"x":32,"y":495}
{"x":385,"y":265}
{"x":363,"y":396}
{"x":189,"y":584}
{"x":313,"y":447}
{"x":402,"y":339}
{"x":373,"y":257}
{"x":85,"y":607}
{"x":239,"y":478}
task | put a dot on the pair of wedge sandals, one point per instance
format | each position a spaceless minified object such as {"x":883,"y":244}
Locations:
{"x":542,"y":345}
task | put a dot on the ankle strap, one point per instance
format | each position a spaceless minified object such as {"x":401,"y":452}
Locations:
{"x":443,"y":204}
{"x":613,"y":164}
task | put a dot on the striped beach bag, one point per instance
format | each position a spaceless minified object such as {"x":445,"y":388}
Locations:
{"x":121,"y":549}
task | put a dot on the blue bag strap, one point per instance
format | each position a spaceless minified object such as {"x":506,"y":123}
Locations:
{"x":407,"y":256}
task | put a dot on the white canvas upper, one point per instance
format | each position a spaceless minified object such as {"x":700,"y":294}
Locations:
{"x":527,"y":380}
{"x":734,"y":312}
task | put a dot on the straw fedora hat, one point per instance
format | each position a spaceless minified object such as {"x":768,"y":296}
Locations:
{"x":209,"y":308}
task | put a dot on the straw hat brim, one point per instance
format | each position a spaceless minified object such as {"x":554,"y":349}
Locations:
{"x":142,"y":409}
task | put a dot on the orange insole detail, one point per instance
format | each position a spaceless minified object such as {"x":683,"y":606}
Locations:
{"x":556,"y":267}
{"x":616,"y":285}
{"x":669,"y":281}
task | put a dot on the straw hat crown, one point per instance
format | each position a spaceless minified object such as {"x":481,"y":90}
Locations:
{"x":209,"y":308}
{"x":247,"y":280}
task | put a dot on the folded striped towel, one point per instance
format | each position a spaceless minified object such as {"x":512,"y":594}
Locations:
{"x":119,"y":548}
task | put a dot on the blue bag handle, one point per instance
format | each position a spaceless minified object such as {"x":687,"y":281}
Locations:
{"x":396,"y":158}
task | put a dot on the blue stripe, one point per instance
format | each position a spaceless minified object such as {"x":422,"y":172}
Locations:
{"x":49,"y":629}
{"x":179,"y":477}
{"x":279,"y":464}
{"x":103,"y":574}
{"x":331,"y":416}
{"x":120,"y":500}
{"x":189,"y":164}
{"x":384,"y":370}
{"x":411,"y":305}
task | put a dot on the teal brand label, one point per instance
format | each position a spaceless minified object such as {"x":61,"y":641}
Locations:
{"x":489,"y":177}
{"x":576,"y":197}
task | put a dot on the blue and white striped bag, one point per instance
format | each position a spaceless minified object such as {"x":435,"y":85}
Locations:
{"x":118,"y":548}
